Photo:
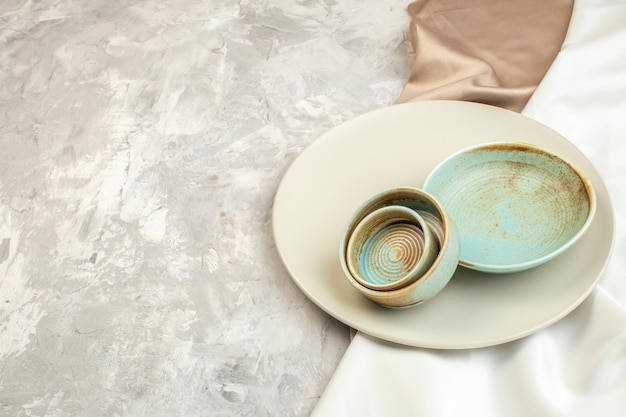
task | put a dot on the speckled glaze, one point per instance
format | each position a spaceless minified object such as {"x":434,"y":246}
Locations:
{"x":516,"y":206}
{"x":390,"y":248}
{"x":443,"y":266}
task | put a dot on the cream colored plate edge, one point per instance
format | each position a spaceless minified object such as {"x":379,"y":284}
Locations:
{"x":398,"y":146}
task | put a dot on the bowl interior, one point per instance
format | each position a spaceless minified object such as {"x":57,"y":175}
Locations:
{"x":391,"y":247}
{"x":444,"y":263}
{"x":515,"y":205}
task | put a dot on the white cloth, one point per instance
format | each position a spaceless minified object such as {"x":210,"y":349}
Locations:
{"x":576,"y":367}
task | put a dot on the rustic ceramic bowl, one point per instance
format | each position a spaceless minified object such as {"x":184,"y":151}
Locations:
{"x":390,"y":248}
{"x":516,"y":206}
{"x":435,"y":278}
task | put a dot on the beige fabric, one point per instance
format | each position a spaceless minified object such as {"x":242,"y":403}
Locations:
{"x":486,"y":51}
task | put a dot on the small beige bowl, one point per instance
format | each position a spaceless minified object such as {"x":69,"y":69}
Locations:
{"x":390,"y":248}
{"x":435,"y":278}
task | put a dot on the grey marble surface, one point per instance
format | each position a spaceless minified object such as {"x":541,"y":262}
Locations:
{"x":141,"y":144}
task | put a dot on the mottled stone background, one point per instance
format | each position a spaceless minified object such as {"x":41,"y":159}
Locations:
{"x":141,"y":144}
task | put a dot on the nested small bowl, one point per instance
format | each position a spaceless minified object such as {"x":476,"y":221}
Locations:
{"x":445,"y":236}
{"x":390,"y":248}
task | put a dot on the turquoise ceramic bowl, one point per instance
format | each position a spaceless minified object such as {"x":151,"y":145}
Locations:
{"x":516,"y":206}
{"x":390,"y":248}
{"x":442,"y":268}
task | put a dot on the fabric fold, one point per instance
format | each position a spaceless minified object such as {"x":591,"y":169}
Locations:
{"x":483,"y":51}
{"x":576,"y":367}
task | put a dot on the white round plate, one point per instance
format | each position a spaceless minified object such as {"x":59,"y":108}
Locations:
{"x":399,"y":146}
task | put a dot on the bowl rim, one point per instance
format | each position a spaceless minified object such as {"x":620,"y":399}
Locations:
{"x":414,"y":273}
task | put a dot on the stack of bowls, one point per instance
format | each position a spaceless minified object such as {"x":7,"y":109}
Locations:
{"x":400,"y":248}
{"x":499,"y":207}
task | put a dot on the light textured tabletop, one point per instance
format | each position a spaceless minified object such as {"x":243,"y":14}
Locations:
{"x":141,"y":145}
